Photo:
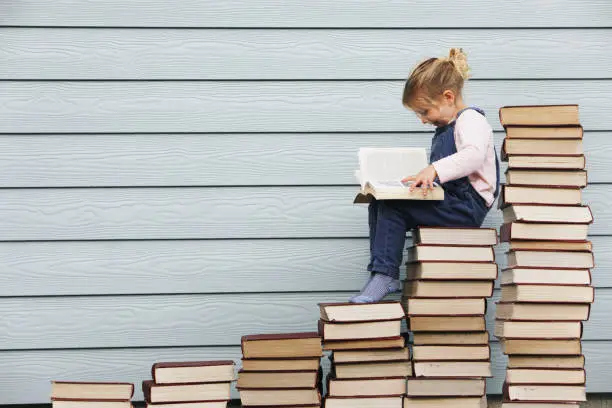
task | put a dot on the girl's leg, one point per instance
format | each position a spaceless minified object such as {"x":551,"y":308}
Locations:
{"x":390,"y":237}
{"x":390,"y":219}
{"x":372,"y":219}
{"x":387,"y":240}
{"x":469,"y":210}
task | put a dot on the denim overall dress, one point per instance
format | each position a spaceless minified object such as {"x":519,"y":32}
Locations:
{"x":389,"y":220}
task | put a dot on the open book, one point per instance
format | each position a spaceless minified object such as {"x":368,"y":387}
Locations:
{"x":381,"y":171}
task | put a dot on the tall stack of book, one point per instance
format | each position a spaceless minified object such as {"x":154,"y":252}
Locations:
{"x":369,"y":357}
{"x":546,"y":288}
{"x":281,"y":370}
{"x":197,"y":384}
{"x":450,"y":273}
{"x":74,"y":394}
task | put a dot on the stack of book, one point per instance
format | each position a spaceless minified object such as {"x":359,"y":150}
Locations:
{"x":197,"y":384}
{"x":281,"y":370}
{"x":450,"y":273}
{"x":74,"y":394}
{"x":546,"y":288}
{"x":369,"y":357}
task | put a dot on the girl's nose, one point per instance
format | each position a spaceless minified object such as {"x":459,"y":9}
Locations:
{"x":424,"y":120}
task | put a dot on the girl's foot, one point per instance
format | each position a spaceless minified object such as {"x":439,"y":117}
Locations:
{"x":379,"y":286}
{"x":362,"y":289}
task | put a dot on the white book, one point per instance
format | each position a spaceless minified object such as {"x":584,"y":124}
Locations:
{"x":381,"y":171}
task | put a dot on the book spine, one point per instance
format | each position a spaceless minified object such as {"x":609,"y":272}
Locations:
{"x":504,"y":153}
{"x":505,"y":232}
{"x":416,"y":236}
{"x":322,"y":312}
{"x":591,"y":213}
{"x":153,"y":370}
{"x":501,"y":200}
{"x":321,"y":328}
{"x":146,"y":390}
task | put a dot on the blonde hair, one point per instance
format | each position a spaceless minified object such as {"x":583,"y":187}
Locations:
{"x":435,"y":75}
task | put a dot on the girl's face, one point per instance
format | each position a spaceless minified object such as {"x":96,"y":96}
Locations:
{"x":438,"y":112}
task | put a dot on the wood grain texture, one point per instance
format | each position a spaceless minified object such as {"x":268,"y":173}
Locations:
{"x":45,"y":53}
{"x":159,"y":320}
{"x":204,"y":267}
{"x":107,"y":310}
{"x":216,"y":159}
{"x":211,"y":213}
{"x":302,"y":13}
{"x":27,"y":374}
{"x":188,"y":320}
{"x":323,"y":106}
{"x":209,"y":266}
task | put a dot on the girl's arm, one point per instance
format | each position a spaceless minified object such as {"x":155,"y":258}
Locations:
{"x":472,"y":137}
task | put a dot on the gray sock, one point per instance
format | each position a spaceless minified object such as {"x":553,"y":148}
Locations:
{"x":379,"y":286}
{"x":352,"y":299}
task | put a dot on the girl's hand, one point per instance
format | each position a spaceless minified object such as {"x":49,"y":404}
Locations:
{"x":424,"y":179}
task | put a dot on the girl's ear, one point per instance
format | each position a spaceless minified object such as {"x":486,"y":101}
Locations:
{"x":449,"y":97}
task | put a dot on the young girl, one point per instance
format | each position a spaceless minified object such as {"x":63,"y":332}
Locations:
{"x":463,"y":161}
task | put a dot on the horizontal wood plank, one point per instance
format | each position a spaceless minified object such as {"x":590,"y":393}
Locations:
{"x":208,"y":266}
{"x":107,"y":160}
{"x":188,"y":320}
{"x":211,"y":213}
{"x":320,"y":106}
{"x":154,"y":321}
{"x":46,"y":53}
{"x":302,"y":13}
{"x":27,"y":374}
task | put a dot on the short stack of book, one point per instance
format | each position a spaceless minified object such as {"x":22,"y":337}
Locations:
{"x":369,"y":357}
{"x":196,"y":384}
{"x":74,"y":394}
{"x":450,"y":273}
{"x":546,"y":289}
{"x":281,"y":370}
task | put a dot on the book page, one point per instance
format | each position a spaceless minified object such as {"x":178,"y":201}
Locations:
{"x":381,"y":184}
{"x":390,"y":165}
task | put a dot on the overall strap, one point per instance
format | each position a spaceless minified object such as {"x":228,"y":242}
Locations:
{"x":476,"y":108}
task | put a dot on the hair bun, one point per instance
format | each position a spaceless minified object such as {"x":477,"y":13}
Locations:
{"x":459,"y":60}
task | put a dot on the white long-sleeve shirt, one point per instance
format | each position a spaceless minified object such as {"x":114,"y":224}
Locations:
{"x":475,"y":157}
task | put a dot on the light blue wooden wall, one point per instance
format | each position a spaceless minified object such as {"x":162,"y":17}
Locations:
{"x":174,"y":175}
